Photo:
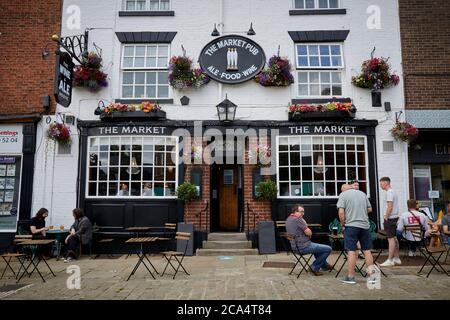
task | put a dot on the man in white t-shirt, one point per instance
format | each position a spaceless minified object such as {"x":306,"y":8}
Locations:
{"x":390,"y":223}
{"x":412,"y":218}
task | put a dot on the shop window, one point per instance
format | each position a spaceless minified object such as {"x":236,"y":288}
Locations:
{"x":320,"y":70}
{"x":132,"y":167}
{"x":147,"y":5}
{"x":317,"y":166}
{"x":316,"y":4}
{"x":144,"y":71}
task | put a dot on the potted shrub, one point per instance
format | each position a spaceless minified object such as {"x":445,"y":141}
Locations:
{"x":329,"y":111}
{"x":376,"y":75}
{"x":187,"y":192}
{"x":277,"y":74}
{"x":89,"y":74}
{"x":266,"y":190}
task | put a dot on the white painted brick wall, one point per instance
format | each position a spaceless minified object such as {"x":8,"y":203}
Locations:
{"x":193,"y":21}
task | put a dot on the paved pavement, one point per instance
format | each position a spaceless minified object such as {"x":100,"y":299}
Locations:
{"x":214,"y":278}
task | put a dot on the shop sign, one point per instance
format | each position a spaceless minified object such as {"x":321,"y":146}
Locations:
{"x":11,"y":138}
{"x":433,"y":194}
{"x":232,"y":59}
{"x":335,"y":129}
{"x":129,"y":130}
{"x":441,"y":149}
{"x":63,"y":79}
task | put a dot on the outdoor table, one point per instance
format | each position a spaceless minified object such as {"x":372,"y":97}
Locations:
{"x":40,"y":257}
{"x":141,"y":253}
{"x":138,"y":232}
{"x":60,"y":238}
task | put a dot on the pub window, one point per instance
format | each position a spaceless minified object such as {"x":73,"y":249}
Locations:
{"x":144,"y":71}
{"x":317,"y":166}
{"x":316,"y":4}
{"x":131,"y":166}
{"x":147,"y":5}
{"x":320,"y":70}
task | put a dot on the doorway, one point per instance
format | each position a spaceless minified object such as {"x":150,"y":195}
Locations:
{"x":226,"y":197}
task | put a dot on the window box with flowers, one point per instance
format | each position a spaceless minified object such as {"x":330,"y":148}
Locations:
{"x":404,"y":131}
{"x":119,"y":111}
{"x":89,"y":74}
{"x":183,"y":76}
{"x":376,"y":75}
{"x":277,"y":74}
{"x":329,"y":111}
{"x":60,"y":133}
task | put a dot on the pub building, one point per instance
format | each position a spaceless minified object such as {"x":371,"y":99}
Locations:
{"x":124,"y":169}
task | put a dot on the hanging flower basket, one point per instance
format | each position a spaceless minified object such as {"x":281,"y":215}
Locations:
{"x":182,"y":76}
{"x":404,"y":131}
{"x":119,"y":111}
{"x":89,"y":74}
{"x":376,"y":75}
{"x":60,"y":133}
{"x":329,"y":111}
{"x":277,"y":74}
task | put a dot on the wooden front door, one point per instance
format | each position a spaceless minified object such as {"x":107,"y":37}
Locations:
{"x":228,"y":197}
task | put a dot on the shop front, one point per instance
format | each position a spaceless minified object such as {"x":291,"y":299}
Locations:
{"x":430,"y":157}
{"x":129,"y":172}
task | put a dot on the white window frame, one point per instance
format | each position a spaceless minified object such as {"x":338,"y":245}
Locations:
{"x":319,"y":84}
{"x":316,"y":6}
{"x":318,"y":44}
{"x":176,"y":151}
{"x":147,"y":6}
{"x":336,"y":181}
{"x":144,"y":69}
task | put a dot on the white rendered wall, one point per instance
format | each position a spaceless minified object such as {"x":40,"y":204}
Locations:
{"x":193,"y":22}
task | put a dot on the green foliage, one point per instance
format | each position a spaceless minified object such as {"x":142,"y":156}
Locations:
{"x":187,"y":192}
{"x":266,"y":190}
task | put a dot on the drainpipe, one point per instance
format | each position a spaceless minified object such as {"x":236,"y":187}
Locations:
{"x":220,"y":26}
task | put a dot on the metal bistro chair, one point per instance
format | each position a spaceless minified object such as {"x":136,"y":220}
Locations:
{"x":301,"y":259}
{"x":168,"y":235}
{"x":168,"y":255}
{"x":427,"y":251}
{"x":444,"y":242}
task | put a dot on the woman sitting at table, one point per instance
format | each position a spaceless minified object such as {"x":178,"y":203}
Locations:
{"x":81,"y":230}
{"x":37,"y":226}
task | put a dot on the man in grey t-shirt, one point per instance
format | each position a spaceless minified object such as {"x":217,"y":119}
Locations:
{"x":353,"y":208}
{"x":297,"y":226}
{"x":390,"y":223}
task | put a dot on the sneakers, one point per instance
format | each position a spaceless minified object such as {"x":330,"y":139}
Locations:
{"x":411,"y":254}
{"x":68,"y":259}
{"x":349,"y":280}
{"x":388,"y":263}
{"x":397,"y":261}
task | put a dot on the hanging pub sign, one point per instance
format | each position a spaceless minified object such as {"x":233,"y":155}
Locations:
{"x":63,"y":79}
{"x":232,"y":59}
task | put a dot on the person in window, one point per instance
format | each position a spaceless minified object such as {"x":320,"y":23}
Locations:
{"x":446,"y":223}
{"x":80,"y":231}
{"x":147,"y":190}
{"x":297,"y":226}
{"x":123,"y":190}
{"x":37,"y":226}
{"x":167,"y":191}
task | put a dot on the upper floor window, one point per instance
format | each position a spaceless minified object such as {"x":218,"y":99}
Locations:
{"x":319,"y":56}
{"x":147,"y":5}
{"x":316,"y":4}
{"x":144,"y":71}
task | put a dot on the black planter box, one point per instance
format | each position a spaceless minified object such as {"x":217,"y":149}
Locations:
{"x":319,"y":115}
{"x":134,"y":115}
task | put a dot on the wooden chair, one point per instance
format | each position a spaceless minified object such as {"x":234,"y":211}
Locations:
{"x":301,"y":259}
{"x":168,"y":255}
{"x":280,"y":232}
{"x":168,"y":235}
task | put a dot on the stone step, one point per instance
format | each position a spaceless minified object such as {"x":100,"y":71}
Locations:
{"x":227,"y":236}
{"x":226,"y":252}
{"x":227,"y":244}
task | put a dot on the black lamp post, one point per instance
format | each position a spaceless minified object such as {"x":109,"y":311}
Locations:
{"x":226,"y":110}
